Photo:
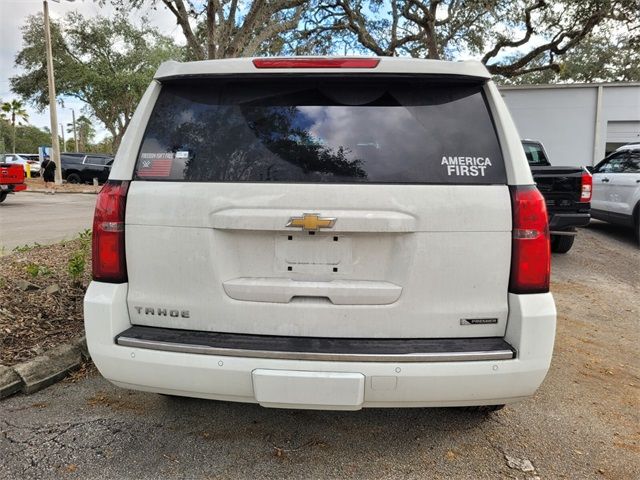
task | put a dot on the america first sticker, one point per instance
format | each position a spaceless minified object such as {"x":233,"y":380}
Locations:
{"x":466,"y":166}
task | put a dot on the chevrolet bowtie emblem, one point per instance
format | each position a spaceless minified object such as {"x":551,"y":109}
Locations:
{"x":311,"y":222}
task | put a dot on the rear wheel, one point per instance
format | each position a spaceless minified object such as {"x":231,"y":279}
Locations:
{"x":3,"y":195}
{"x":73,"y":178}
{"x":561,"y":243}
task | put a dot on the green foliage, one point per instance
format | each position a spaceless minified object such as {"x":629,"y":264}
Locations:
{"x":105,"y":62}
{"x":28,"y":138}
{"x":606,"y":55}
{"x":36,"y":270}
{"x":85,"y":131}
{"x":78,"y":262}
{"x":85,"y":239}
{"x":76,"y":266}
{"x":13,"y":112}
{"x":511,"y":38}
{"x":25,"y":248}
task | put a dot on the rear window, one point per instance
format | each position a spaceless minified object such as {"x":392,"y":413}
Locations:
{"x":535,"y":154}
{"x":313,"y":130}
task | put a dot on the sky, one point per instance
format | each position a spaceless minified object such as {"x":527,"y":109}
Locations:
{"x":13,"y":14}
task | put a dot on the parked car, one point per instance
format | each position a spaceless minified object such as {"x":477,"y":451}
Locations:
{"x":24,"y":159}
{"x":616,"y":188}
{"x":11,"y":179}
{"x":322,"y":233}
{"x":567,"y":193}
{"x":84,"y":167}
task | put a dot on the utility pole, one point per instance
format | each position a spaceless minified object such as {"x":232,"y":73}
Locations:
{"x":55,"y":146}
{"x":75,"y":131}
{"x":64,"y":144}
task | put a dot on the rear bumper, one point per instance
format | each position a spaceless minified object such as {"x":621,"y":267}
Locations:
{"x":530,"y":330}
{"x":13,"y":187}
{"x":564,"y":221}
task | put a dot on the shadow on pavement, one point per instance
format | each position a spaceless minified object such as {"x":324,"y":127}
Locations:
{"x":617,"y":232}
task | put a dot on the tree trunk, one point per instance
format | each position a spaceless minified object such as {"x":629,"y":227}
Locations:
{"x":432,"y":41}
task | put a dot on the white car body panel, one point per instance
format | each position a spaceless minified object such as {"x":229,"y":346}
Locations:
{"x":624,"y":192}
{"x":467,"y":278}
{"x":401,"y":261}
{"x":617,"y":192}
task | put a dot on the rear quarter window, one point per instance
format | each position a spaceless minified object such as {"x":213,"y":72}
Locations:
{"x":315,"y":130}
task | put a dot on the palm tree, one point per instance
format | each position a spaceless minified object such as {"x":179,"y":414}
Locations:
{"x":84,"y":130}
{"x":15,"y":110}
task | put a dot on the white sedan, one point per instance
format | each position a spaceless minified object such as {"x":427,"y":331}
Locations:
{"x":25,"y":158}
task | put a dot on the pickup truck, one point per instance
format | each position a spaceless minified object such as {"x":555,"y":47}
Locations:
{"x":11,"y":179}
{"x":567,"y":193}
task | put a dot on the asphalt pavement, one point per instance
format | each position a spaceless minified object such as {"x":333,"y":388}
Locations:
{"x":27,"y":218}
{"x":583,"y":423}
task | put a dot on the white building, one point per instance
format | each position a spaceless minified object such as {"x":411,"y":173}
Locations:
{"x":580,"y":123}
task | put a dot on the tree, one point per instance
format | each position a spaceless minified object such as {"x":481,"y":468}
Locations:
{"x":14,"y":110}
{"x":29,"y":138}
{"x":510,"y":37}
{"x":606,"y":54}
{"x":105,"y":62}
{"x":229,"y":28}
{"x":84,"y":130}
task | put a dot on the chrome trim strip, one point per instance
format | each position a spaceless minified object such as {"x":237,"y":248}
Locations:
{"x":328,"y":357}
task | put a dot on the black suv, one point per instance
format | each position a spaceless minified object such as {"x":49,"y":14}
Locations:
{"x":84,"y":167}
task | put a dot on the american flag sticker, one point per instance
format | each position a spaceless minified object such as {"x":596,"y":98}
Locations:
{"x":152,"y":166}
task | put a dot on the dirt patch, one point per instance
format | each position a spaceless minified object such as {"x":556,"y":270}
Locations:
{"x":41,"y":292}
{"x":118,"y":402}
{"x":38,"y":184}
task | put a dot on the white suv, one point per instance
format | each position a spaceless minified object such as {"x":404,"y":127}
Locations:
{"x":616,"y":188}
{"x":322,"y":233}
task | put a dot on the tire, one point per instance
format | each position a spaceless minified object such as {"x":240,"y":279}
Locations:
{"x":74,"y":178}
{"x":637,"y":228}
{"x":561,"y":243}
{"x":3,"y":196}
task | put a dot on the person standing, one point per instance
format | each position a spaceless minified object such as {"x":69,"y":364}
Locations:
{"x":49,"y":169}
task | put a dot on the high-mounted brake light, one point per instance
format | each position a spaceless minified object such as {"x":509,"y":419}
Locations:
{"x":530,"y":251}
{"x":108,"y":254}
{"x":587,"y":184}
{"x":305,"y":62}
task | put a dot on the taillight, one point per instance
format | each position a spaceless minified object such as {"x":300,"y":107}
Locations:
{"x":587,"y":184}
{"x":310,"y":62}
{"x":530,"y":250}
{"x":108,"y":233}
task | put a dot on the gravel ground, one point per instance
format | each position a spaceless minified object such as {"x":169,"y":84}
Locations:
{"x":584,"y":422}
{"x":35,"y":320}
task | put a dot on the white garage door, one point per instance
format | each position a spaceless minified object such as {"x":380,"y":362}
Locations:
{"x":623,"y":132}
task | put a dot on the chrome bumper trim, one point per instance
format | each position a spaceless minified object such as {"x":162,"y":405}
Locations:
{"x":328,"y":357}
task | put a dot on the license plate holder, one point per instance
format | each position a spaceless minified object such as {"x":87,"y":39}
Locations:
{"x":303,"y":253}
{"x":308,"y":390}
